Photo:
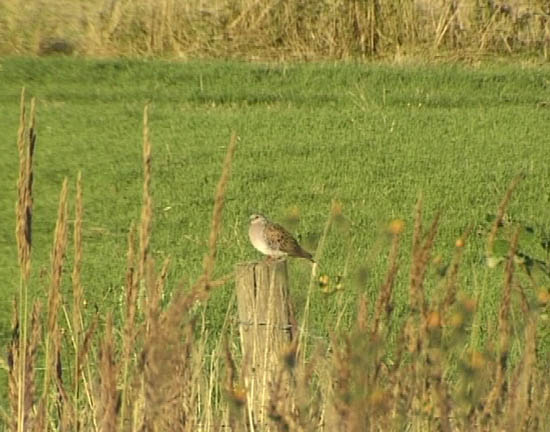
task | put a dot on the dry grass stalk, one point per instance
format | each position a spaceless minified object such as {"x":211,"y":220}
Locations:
{"x":421,"y":250}
{"x":504,"y":312}
{"x":234,"y":392}
{"x":58,"y":256}
{"x":342,"y":376}
{"x":452,"y":275}
{"x":401,"y":385}
{"x":78,"y":297}
{"x":295,"y":401}
{"x":519,"y":404}
{"x":281,"y":416}
{"x":498,"y":392}
{"x":63,"y":402}
{"x":26,"y":139}
{"x":160,"y":348}
{"x":362,"y":312}
{"x":500,"y":214}
{"x":147,"y":205}
{"x":166,"y":369}
{"x":335,"y":211}
{"x":30,"y":365}
{"x":541,"y":387}
{"x":440,"y":390}
{"x":416,"y":247}
{"x":129,"y":332}
{"x":415,"y":383}
{"x":168,"y":346}
{"x":107,"y":407}
{"x":222,"y":280}
{"x":86,"y":345}
{"x":28,"y":386}
{"x":421,"y":259}
{"x":54,"y":299}
{"x":14,"y":374}
{"x":83,"y":352}
{"x":211,"y":389}
{"x":179,"y":310}
{"x":152,"y":309}
{"x":383,"y":304}
{"x":210,"y":258}
{"x":78,"y":294}
{"x":146,"y":275}
{"x":448,"y":25}
{"x":274,"y":30}
{"x":155,"y":291}
{"x":160,"y":283}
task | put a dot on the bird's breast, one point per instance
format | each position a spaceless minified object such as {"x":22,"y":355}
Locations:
{"x":257,"y":238}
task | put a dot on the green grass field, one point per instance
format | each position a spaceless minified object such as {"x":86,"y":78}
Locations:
{"x":373,"y":137}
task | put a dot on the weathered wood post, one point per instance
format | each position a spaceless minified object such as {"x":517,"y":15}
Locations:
{"x":265,"y":330}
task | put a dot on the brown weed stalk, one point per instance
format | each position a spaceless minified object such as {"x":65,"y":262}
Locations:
{"x":499,"y":390}
{"x":501,"y":211}
{"x":129,"y":332}
{"x":28,"y":386}
{"x":172,"y":335}
{"x":383,"y":304}
{"x":107,"y":407}
{"x":519,"y":403}
{"x":52,"y":348}
{"x":234,"y":391}
{"x":219,"y":198}
{"x":26,"y":139}
{"x":451,"y":280}
{"x":78,"y":297}
{"x":147,"y":204}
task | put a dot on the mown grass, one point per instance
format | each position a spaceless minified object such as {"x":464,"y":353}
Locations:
{"x":371,"y":137}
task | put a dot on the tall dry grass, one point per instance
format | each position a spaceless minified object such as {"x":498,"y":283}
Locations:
{"x":21,"y":381}
{"x":277,"y":30}
{"x":152,"y":370}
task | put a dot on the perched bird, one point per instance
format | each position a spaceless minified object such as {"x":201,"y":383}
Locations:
{"x":273,"y":240}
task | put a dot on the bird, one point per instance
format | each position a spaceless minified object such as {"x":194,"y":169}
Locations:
{"x":273,"y":240}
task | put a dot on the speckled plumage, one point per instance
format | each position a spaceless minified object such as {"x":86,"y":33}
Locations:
{"x":273,"y":240}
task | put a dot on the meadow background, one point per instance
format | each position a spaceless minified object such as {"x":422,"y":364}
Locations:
{"x":370,"y":136}
{"x":454,"y":106}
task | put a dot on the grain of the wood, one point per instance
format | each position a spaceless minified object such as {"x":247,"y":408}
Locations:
{"x":265,"y":331}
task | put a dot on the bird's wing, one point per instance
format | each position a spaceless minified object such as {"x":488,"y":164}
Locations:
{"x":280,"y":238}
{"x":289,"y":245}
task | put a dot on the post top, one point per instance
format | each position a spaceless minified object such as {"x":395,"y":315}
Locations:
{"x":263,"y":263}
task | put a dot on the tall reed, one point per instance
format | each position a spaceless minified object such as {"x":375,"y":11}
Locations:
{"x":26,"y":140}
{"x":274,"y":30}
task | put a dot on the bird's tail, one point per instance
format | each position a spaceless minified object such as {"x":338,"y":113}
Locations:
{"x":305,"y":254}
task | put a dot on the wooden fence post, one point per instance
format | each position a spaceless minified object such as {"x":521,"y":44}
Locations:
{"x":266,"y":330}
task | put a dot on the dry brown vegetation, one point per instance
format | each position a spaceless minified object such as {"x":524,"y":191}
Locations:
{"x":69,"y":370}
{"x":278,"y":30}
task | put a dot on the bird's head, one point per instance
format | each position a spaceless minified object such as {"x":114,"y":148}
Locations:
{"x":257,"y":219}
